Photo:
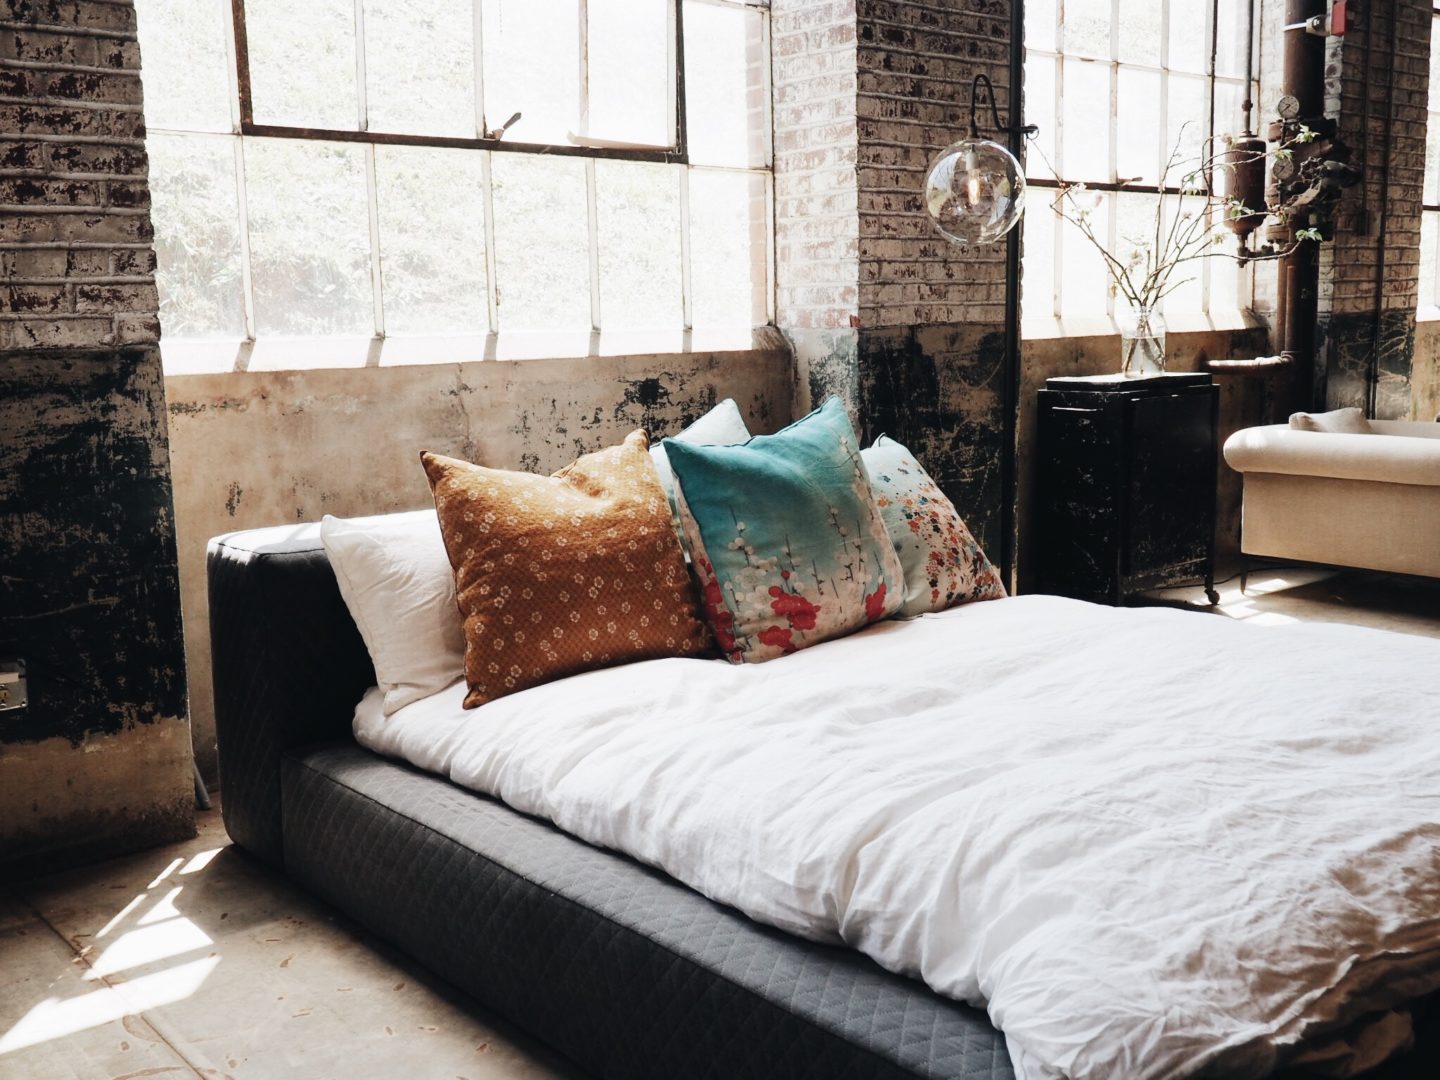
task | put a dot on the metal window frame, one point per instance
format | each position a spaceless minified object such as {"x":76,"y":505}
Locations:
{"x":1112,"y":188}
{"x":676,"y":153}
{"x":242,"y":125}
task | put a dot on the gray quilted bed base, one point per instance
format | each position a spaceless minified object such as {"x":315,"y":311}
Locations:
{"x":613,"y":965}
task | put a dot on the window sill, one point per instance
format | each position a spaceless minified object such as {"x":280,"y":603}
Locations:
{"x":1427,"y":313}
{"x":1043,"y":327}
{"x":203,"y":357}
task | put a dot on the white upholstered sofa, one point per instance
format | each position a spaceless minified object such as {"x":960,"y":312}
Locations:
{"x":1370,"y":501}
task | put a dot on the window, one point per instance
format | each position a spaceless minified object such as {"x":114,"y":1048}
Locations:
{"x":1430,"y":217}
{"x":1112,"y":85}
{"x":354,"y":171}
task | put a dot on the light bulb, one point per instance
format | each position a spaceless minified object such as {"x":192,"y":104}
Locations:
{"x":974,"y":192}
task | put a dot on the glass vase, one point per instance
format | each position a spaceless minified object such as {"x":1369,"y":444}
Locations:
{"x":1142,"y":342}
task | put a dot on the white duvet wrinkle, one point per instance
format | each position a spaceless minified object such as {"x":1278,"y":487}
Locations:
{"x":1151,"y":842}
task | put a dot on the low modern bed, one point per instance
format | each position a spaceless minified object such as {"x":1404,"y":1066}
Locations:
{"x":616,"y":966}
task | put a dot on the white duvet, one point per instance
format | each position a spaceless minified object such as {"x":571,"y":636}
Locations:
{"x":1149,"y":842}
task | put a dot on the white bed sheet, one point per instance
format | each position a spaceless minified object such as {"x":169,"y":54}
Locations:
{"x":1150,"y":842}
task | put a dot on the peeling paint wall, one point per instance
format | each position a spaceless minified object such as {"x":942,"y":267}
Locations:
{"x":1425,"y":377}
{"x":262,"y":448}
{"x":99,"y":762}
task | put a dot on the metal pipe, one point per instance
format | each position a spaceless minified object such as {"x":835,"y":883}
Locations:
{"x":1010,"y":378}
{"x":1304,"y":80}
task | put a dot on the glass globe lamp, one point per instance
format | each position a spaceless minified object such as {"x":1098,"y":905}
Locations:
{"x":974,"y":192}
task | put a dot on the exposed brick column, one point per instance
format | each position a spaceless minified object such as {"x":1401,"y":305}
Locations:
{"x":100,"y":761}
{"x":817,"y":225}
{"x":1368,"y":286}
{"x":924,"y":361}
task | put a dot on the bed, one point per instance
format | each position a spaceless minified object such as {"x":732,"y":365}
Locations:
{"x":435,"y":831}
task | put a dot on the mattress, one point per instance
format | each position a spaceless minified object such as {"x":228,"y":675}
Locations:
{"x":609,"y":963}
{"x":1101,"y":823}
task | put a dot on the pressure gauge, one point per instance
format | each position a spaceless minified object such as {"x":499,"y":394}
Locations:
{"x":1288,"y":107}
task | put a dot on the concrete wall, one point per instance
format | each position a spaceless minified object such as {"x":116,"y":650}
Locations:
{"x":263,"y":448}
{"x":99,"y":762}
{"x":1425,"y":375}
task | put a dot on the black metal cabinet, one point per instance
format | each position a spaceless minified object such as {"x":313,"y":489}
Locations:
{"x":1125,"y":481}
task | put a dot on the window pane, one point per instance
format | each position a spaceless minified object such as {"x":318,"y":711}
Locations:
{"x":1226,"y":279}
{"x":1040,"y":110}
{"x":1040,"y":24}
{"x":185,"y":67}
{"x":1432,"y":160}
{"x":1187,"y":109}
{"x":1037,"y":268}
{"x":1138,"y":126}
{"x":725,"y":65}
{"x":432,"y":240}
{"x":1232,"y":39}
{"x":1229,"y":116}
{"x":420,"y":67}
{"x":1135,"y":235}
{"x":1086,"y":282}
{"x":630,"y":82}
{"x":639,"y":222}
{"x":1189,"y":35}
{"x":197,"y":235}
{"x":532,"y":66}
{"x":302,"y":62}
{"x":1186,"y":279}
{"x":727,"y":248}
{"x":1429,"y":248}
{"x":309,"y":237}
{"x":1086,"y":101}
{"x":1435,"y":64}
{"x":1140,"y":31}
{"x":1086,"y":30}
{"x":542,"y":252}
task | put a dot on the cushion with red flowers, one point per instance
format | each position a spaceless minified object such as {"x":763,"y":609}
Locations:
{"x":785,"y":537}
{"x":944,"y":566}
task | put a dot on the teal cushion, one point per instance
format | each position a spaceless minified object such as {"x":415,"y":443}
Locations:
{"x":944,"y":566}
{"x":722,"y":424}
{"x":785,"y":536}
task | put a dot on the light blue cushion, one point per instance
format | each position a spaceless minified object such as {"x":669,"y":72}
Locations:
{"x":785,"y":536}
{"x":944,"y":566}
{"x":723,"y":424}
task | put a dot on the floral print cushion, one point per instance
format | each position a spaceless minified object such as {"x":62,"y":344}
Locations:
{"x":785,"y":537}
{"x":944,"y":566}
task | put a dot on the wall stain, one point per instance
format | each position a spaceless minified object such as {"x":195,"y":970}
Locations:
{"x":232,"y":499}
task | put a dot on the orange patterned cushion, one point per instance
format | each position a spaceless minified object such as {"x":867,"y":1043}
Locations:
{"x":565,"y":573}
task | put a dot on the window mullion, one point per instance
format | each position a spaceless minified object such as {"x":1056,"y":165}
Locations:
{"x":372,"y":198}
{"x":487,"y":200}
{"x":1212,"y":32}
{"x":478,"y":65}
{"x":592,"y":220}
{"x":1113,"y":199}
{"x":362,"y":97}
{"x":687,"y":298}
{"x":585,"y":71}
{"x":247,"y":289}
{"x":1163,"y":137}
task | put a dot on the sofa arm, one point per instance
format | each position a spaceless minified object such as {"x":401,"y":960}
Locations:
{"x":1389,"y":459}
{"x":289,"y":667}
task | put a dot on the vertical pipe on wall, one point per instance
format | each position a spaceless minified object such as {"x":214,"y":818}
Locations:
{"x":1010,"y":383}
{"x":1304,"y":80}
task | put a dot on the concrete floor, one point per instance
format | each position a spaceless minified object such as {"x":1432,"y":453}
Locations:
{"x":195,"y":961}
{"x":1287,"y":594}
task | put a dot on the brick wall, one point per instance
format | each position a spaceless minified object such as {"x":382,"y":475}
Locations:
{"x":813,"y":80}
{"x":916,"y":61}
{"x":1377,"y":81}
{"x":100,"y":760}
{"x":75,"y":239}
{"x":879,"y":308}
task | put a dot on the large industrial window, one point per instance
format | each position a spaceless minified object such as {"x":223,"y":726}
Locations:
{"x":1113,"y":86}
{"x":1430,"y":220}
{"x":523,"y":173}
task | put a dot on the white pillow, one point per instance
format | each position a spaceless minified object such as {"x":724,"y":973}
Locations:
{"x":397,"y":582}
{"x":1337,"y":422}
{"x":721,"y":426}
